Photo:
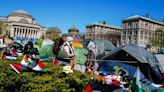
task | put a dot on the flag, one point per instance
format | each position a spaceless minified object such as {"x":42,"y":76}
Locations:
{"x":3,"y":56}
{"x":88,"y":88}
{"x":28,"y":65}
{"x":26,"y":61}
{"x":9,"y":57}
{"x":33,"y":65}
{"x":39,"y":67}
{"x":13,"y":52}
{"x":142,"y":84}
{"x":18,"y":67}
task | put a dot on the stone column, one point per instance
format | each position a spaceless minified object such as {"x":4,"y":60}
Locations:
{"x":22,"y":32}
{"x":25,"y":33}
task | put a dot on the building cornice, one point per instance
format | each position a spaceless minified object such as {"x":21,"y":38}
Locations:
{"x":143,"y":18}
{"x":103,"y":25}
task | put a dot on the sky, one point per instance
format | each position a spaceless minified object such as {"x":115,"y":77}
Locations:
{"x":79,"y":13}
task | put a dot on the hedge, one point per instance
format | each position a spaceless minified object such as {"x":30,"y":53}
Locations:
{"x":53,"y":81}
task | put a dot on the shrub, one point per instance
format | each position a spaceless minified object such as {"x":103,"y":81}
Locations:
{"x":53,"y":81}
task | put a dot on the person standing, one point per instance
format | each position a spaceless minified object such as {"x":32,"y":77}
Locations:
{"x":67,"y":47}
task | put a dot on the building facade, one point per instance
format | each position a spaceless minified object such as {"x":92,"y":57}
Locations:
{"x":101,"y":30}
{"x":22,"y":25}
{"x":141,"y":31}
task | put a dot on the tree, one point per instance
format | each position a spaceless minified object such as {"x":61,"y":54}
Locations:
{"x":3,"y":28}
{"x":53,"y":33}
{"x":82,"y":36}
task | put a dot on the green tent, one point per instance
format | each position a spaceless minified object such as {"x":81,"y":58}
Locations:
{"x":100,"y":47}
{"x":46,"y":53}
{"x":45,"y":49}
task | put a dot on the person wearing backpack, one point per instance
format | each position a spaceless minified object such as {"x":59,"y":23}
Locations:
{"x":56,"y":48}
{"x":69,"y":60}
{"x":69,"y":50}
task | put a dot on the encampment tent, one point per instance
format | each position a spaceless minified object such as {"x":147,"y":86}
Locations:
{"x":45,"y":52}
{"x":99,"y":46}
{"x":131,"y":53}
{"x":139,"y":56}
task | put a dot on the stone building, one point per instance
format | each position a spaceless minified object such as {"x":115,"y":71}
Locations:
{"x":141,"y":31}
{"x":101,"y":30}
{"x":22,"y":25}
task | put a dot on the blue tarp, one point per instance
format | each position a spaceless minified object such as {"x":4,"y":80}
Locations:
{"x":21,"y":38}
{"x":25,"y":38}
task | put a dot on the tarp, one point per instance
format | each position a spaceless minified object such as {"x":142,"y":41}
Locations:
{"x":100,"y":46}
{"x":21,"y":38}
